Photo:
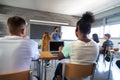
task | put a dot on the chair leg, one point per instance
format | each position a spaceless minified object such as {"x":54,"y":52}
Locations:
{"x":93,"y":73}
{"x":98,"y":58}
{"x":104,"y":59}
{"x":31,"y":78}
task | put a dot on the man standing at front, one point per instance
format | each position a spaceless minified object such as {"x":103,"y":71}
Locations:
{"x":55,"y":35}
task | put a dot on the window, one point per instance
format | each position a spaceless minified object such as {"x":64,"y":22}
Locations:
{"x":68,"y":33}
{"x":101,"y":33}
{"x":107,"y":29}
{"x":115,"y":31}
{"x":97,"y":30}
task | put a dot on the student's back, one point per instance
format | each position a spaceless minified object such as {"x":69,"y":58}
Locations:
{"x":83,"y":53}
{"x":16,"y":54}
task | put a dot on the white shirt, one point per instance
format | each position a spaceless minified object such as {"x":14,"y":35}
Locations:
{"x":81,"y":52}
{"x":16,"y":53}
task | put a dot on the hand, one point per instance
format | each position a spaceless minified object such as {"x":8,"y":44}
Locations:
{"x":101,"y":49}
{"x":60,"y":48}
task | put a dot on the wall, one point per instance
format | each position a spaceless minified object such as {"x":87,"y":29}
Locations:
{"x":38,"y":15}
{"x":27,"y":14}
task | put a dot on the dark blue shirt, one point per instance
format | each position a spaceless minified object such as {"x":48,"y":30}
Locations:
{"x":107,"y":44}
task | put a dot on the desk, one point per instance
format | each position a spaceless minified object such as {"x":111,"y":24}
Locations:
{"x":45,"y":55}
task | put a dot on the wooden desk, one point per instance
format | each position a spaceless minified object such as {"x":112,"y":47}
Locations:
{"x":44,"y":56}
{"x":47,"y":55}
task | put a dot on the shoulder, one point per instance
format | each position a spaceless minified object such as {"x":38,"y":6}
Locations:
{"x":30,"y":41}
{"x":110,"y":41}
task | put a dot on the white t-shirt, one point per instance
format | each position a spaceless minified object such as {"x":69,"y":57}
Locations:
{"x":81,"y":52}
{"x":16,"y":53}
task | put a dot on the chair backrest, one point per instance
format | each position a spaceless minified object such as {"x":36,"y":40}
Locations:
{"x":77,"y":71}
{"x":23,"y":75}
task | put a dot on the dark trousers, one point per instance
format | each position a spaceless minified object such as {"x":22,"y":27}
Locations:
{"x":58,"y":71}
{"x":118,"y":63}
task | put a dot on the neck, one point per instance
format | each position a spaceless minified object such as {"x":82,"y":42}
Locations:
{"x":13,"y":34}
{"x":83,"y":38}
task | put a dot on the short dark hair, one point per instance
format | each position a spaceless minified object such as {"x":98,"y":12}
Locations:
{"x":85,"y":22}
{"x":108,"y":35}
{"x":14,"y":24}
{"x":55,"y":27}
{"x":95,"y":38}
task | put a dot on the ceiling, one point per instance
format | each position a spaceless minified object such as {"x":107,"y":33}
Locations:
{"x":69,"y":7}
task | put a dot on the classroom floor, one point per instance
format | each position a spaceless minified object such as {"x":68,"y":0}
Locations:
{"x":101,"y":72}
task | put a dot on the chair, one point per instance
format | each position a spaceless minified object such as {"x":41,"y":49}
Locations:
{"x":23,"y":75}
{"x":73,"y":71}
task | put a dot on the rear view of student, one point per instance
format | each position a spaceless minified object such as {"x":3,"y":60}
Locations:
{"x":16,"y":52}
{"x":82,"y":51}
{"x":45,"y":41}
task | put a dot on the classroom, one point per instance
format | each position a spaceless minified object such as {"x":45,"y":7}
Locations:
{"x":59,"y":39}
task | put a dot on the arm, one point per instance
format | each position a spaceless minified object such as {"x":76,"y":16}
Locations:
{"x":60,"y":55}
{"x":34,"y":50}
{"x":103,"y":46}
{"x":51,"y":35}
{"x":111,"y":44}
{"x":60,"y":34}
{"x":64,"y":52}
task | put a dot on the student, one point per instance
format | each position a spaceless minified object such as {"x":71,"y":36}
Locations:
{"x":45,"y":41}
{"x":16,"y":52}
{"x":55,"y":35}
{"x":82,"y":51}
{"x":107,"y":43}
{"x":95,"y":38}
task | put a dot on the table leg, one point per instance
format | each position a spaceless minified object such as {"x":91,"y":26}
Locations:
{"x":38,"y":69}
{"x":45,"y":70}
{"x":42,"y":70}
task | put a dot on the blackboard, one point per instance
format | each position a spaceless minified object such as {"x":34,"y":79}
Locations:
{"x":37,"y":30}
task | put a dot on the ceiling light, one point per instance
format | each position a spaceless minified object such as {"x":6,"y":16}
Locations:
{"x":48,"y":22}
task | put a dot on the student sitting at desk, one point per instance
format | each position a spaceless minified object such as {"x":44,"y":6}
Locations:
{"x":83,"y":50}
{"x":45,"y":41}
{"x":16,"y":52}
{"x":107,"y":44}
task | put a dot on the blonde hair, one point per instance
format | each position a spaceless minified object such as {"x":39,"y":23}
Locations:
{"x":45,"y":41}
